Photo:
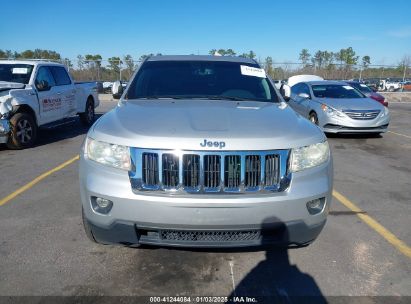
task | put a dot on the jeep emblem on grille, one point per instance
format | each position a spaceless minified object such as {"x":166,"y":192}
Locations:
{"x":210,"y":144}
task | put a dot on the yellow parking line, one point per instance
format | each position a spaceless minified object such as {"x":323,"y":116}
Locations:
{"x":37,"y":180}
{"x":399,"y":134}
{"x":384,"y":232}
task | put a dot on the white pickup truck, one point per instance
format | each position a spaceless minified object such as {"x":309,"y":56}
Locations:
{"x":37,"y":94}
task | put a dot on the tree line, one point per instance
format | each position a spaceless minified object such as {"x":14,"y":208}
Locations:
{"x":341,"y":64}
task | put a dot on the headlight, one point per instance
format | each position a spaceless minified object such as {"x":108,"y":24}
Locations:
{"x":108,"y":154}
{"x":385,"y":112}
{"x":330,"y":111}
{"x":309,"y":156}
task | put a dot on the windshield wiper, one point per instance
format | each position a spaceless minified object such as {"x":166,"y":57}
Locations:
{"x":220,"y":97}
{"x":209,"y":97}
{"x":161,"y":97}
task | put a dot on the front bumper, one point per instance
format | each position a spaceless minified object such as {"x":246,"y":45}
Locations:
{"x":337,"y":124}
{"x":204,"y":220}
{"x":4,"y":130}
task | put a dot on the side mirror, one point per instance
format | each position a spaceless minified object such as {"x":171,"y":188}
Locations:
{"x":42,"y":85}
{"x":285,"y":91}
{"x":304,"y":95}
{"x":117,"y":89}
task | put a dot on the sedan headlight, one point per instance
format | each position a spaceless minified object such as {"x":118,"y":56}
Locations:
{"x":330,"y":111}
{"x":385,"y":112}
{"x":309,"y":156}
{"x":108,"y":154}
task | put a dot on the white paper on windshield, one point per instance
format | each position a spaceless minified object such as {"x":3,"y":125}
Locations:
{"x":19,"y":71}
{"x":348,"y":88}
{"x":251,"y":71}
{"x":363,"y":85}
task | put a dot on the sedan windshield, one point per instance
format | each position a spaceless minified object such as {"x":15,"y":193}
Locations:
{"x":19,"y":73}
{"x":336,"y":91}
{"x":361,"y":87}
{"x":200,"y":79}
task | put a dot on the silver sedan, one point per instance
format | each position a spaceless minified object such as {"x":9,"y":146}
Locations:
{"x":338,"y":107}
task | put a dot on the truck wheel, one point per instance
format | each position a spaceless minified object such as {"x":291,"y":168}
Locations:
{"x":313,"y":118}
{"x":87,"y":118}
{"x":23,"y":131}
{"x":87,"y":228}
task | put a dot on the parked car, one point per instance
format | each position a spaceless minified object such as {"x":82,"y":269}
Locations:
{"x":337,"y":107}
{"x":100,"y":88}
{"x":363,"y":88}
{"x":36,"y":94}
{"x":390,"y":85}
{"x":278,"y":83}
{"x":107,"y":85}
{"x":202,"y":151}
{"x":406,"y":86}
{"x":372,"y":83}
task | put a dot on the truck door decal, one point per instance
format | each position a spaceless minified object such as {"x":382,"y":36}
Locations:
{"x":51,"y":104}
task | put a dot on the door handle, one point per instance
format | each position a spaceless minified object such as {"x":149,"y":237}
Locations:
{"x":58,"y":93}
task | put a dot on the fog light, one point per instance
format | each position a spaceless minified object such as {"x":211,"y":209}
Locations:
{"x":101,"y":205}
{"x":316,"y":206}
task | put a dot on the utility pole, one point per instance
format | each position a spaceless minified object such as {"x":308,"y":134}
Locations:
{"x":98,"y":69}
{"x":403,"y":76}
{"x":119,"y":65}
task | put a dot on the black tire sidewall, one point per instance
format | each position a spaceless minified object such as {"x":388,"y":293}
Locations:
{"x":85,"y":116}
{"x":313,"y":114}
{"x":14,"y":142}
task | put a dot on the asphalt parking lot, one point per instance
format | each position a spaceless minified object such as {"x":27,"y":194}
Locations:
{"x":363,"y":250}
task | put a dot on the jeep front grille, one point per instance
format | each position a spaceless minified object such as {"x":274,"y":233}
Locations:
{"x":209,"y":172}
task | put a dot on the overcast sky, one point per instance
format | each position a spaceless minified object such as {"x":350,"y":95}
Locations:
{"x":280,"y":29}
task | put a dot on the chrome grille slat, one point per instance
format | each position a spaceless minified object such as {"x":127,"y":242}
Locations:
{"x":191,"y":170}
{"x":182,"y":172}
{"x":362,"y":114}
{"x":271,"y":170}
{"x":150,"y":169}
{"x":232,"y":171}
{"x":212,"y":171}
{"x":252,"y":171}
{"x":170,"y":170}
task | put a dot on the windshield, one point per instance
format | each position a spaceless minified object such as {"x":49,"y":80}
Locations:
{"x":200,"y":79}
{"x":335,"y":91}
{"x":361,"y":87}
{"x":19,"y":73}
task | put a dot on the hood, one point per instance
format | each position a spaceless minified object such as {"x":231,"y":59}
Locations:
{"x":351,"y":103}
{"x":5,"y":86}
{"x":185,"y":124}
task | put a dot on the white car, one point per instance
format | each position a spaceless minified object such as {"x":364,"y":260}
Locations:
{"x":37,"y":94}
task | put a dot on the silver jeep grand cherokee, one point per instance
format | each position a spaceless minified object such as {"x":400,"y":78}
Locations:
{"x":203,"y":151}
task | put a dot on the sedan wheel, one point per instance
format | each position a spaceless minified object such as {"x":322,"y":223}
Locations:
{"x":313,"y":118}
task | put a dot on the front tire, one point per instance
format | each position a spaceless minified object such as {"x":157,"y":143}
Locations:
{"x":87,"y":118}
{"x":313,"y":118}
{"x":87,"y":228}
{"x":23,"y":131}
